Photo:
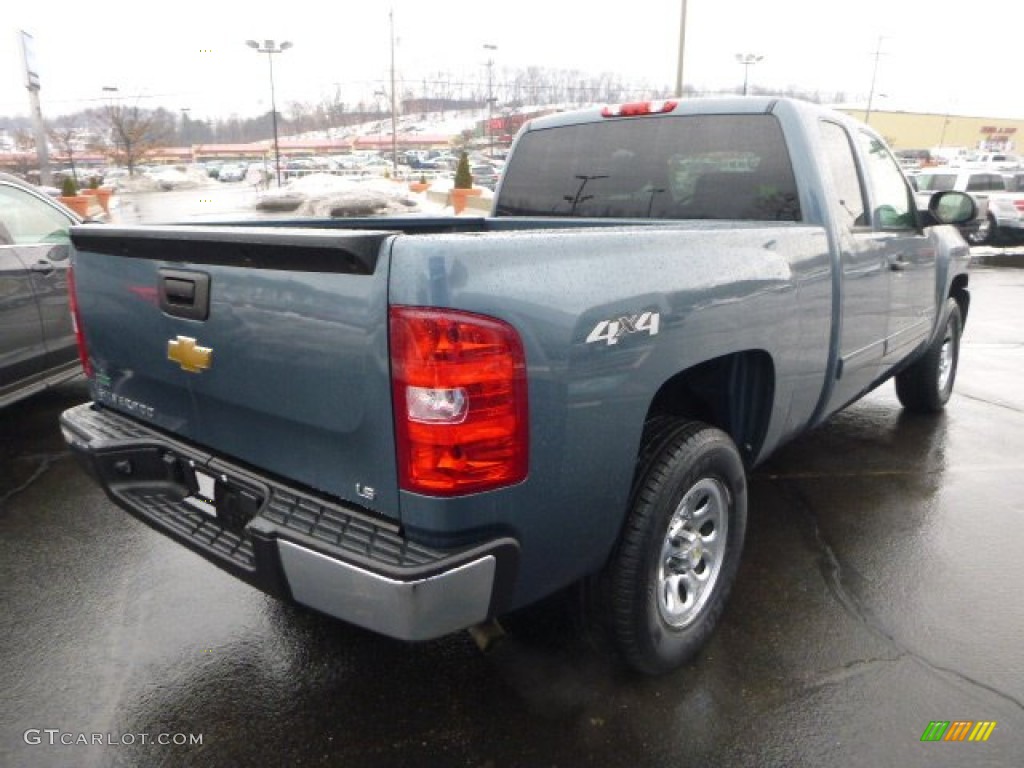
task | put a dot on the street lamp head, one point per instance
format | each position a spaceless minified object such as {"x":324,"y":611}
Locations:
{"x":489,"y":47}
{"x":269,"y":46}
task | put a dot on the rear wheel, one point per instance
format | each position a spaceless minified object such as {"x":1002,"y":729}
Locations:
{"x":926,"y":386}
{"x":680,"y":549}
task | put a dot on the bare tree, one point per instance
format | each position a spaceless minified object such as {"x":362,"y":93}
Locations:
{"x":134,"y":133}
{"x":301,"y":116}
{"x":443,"y":90}
{"x":66,"y":142}
{"x":25,"y":147}
{"x":333,"y":108}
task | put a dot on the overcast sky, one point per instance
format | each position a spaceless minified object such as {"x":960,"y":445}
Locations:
{"x":935,"y":55}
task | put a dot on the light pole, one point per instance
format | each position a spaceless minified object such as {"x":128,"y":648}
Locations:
{"x":184,"y":132}
{"x":747,"y":60}
{"x":490,"y":99}
{"x":394,"y":110}
{"x":269,"y":47}
{"x":380,"y":123}
{"x":28,"y":50}
{"x":682,"y":48}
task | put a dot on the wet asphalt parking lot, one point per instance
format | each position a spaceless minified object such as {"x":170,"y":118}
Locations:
{"x":881,"y":590}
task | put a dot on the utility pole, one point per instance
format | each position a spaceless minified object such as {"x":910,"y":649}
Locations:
{"x":874,"y":77}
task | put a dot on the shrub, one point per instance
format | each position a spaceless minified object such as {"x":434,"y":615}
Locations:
{"x":68,"y":188}
{"x":463,"y":178}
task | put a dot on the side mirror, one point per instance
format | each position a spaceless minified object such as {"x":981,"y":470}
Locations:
{"x":951,"y":207}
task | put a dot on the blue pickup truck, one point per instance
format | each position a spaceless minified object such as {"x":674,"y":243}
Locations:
{"x":417,"y":425}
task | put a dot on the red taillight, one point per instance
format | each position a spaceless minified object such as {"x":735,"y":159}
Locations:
{"x":1019,"y":205}
{"x":638,"y":108}
{"x":76,"y":323}
{"x":459,"y":385}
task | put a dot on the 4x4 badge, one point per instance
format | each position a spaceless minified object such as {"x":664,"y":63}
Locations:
{"x":190,"y":356}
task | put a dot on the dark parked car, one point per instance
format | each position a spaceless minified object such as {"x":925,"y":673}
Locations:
{"x":37,"y":340}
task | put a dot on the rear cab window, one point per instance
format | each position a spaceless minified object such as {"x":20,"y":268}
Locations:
{"x":673,"y":167}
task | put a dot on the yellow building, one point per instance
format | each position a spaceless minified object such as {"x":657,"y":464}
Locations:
{"x":918,"y":130}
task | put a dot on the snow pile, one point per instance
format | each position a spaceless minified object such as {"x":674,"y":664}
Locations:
{"x":164,"y":178}
{"x":323,"y":195}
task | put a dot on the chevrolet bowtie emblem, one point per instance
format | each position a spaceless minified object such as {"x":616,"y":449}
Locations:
{"x":188,"y":355}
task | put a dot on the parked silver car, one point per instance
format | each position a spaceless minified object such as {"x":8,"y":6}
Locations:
{"x":37,"y":339}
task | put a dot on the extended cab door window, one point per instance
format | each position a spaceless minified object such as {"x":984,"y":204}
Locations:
{"x":846,"y":183}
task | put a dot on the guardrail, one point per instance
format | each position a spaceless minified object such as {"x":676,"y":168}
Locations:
{"x":405,"y":173}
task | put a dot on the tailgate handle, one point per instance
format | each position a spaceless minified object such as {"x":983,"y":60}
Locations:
{"x":184,"y":294}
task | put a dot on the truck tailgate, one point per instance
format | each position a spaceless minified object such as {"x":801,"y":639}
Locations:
{"x":266,"y":345}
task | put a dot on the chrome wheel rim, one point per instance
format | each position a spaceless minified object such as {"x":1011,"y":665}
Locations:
{"x":693,"y":552}
{"x":946,"y":358}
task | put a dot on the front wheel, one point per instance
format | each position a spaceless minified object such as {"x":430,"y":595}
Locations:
{"x":926,"y":386}
{"x":680,"y":549}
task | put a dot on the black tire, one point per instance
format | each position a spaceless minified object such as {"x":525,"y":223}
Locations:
{"x":926,"y":386}
{"x":668,"y":580}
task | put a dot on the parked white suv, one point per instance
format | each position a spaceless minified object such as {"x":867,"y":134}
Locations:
{"x":992,"y":161}
{"x":1006,"y":209}
{"x":994,"y":192}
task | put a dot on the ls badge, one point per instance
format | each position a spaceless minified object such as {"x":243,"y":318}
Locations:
{"x":189,"y":355}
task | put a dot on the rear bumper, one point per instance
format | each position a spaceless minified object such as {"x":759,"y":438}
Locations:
{"x":288,"y":541}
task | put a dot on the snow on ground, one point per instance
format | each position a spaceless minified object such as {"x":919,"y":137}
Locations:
{"x":170,"y":177}
{"x":324,"y":195}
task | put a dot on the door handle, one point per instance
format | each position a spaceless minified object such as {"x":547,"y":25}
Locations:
{"x":43,"y":268}
{"x":184,"y":293}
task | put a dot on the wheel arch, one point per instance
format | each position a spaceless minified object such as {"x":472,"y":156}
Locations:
{"x":734,"y":392}
{"x":958,"y":291}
